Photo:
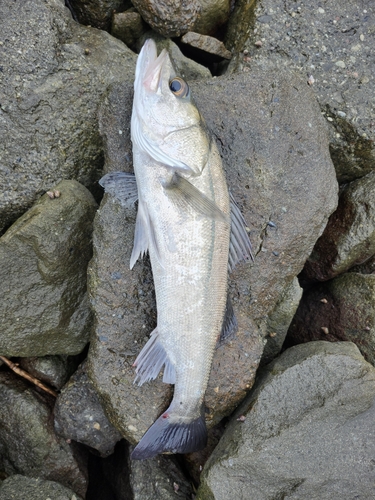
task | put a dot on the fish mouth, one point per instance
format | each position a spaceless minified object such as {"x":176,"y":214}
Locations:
{"x":149,"y":66}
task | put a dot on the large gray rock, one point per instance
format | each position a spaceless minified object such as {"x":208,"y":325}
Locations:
{"x":275,"y":150}
{"x":43,"y":262}
{"x":349,"y":237}
{"x":332,"y":48}
{"x":79,"y":416}
{"x":341,"y":309}
{"x":28,"y":444}
{"x":19,"y":487}
{"x":54,"y":72}
{"x":307,"y":431}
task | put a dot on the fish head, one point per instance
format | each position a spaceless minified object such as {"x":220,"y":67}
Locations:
{"x":166,"y":124}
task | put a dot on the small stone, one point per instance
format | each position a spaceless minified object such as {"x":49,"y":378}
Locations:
{"x":325,"y":330}
{"x":272,"y":335}
{"x":340,"y":64}
{"x":310,"y":80}
{"x":324,"y":301}
{"x":258,"y":43}
{"x":362,"y":37}
{"x":341,"y":114}
{"x":207,"y":44}
{"x":321,"y":11}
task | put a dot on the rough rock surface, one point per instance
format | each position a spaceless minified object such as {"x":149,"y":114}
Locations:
{"x":332,"y":48}
{"x":169,"y":17}
{"x":279,"y":321}
{"x":128,"y":26}
{"x":79,"y":415}
{"x":349,"y":237}
{"x":341,"y":309}
{"x":206,"y":44}
{"x":308,"y":432}
{"x":160,"y":478}
{"x":43,"y":262}
{"x":28,"y":444}
{"x":276,"y":156}
{"x":53,"y":370}
{"x":19,"y":487}
{"x":97,"y":14}
{"x":54,"y":72}
{"x":213,"y":14}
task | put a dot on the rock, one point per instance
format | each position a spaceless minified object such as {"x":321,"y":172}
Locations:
{"x":97,"y":14}
{"x":185,"y":67}
{"x":159,"y":477}
{"x":307,"y":431}
{"x":53,"y":370}
{"x":349,"y":237}
{"x":54,"y":73}
{"x":275,"y":150}
{"x":279,"y":321}
{"x":213,"y":14}
{"x":294,"y":35}
{"x":19,"y":487}
{"x":128,"y":26}
{"x":341,"y":309}
{"x":28,"y":444}
{"x":208,"y":45}
{"x":79,"y":415}
{"x":168,"y":17}
{"x":43,"y":261}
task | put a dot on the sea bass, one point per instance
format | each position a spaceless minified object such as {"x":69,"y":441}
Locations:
{"x":184,"y":220}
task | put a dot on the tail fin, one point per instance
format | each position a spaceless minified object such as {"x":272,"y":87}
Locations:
{"x":165,"y":436}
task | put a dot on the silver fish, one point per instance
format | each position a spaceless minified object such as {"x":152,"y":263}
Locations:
{"x":184,"y":220}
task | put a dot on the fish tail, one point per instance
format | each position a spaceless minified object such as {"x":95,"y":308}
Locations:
{"x":171,"y":434}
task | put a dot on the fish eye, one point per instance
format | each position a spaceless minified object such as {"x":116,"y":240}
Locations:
{"x":179,"y":87}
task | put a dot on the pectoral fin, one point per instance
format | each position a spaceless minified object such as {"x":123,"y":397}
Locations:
{"x":184,"y":194}
{"x":229,"y":323}
{"x":240,"y":246}
{"x":122,"y":186}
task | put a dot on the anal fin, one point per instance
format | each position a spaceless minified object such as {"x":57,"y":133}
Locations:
{"x":151,"y":360}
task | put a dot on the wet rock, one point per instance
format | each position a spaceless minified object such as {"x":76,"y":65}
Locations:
{"x":159,"y":477}
{"x":79,"y":415}
{"x":19,"y":487}
{"x":307,"y":431}
{"x":43,"y":261}
{"x":53,"y":370}
{"x":279,"y":321}
{"x":207,"y":45}
{"x":28,"y":444}
{"x":185,"y":67}
{"x":274,"y":145}
{"x":54,"y":72}
{"x":341,"y":309}
{"x":213,"y":14}
{"x":349,"y":237}
{"x":295,"y":35}
{"x":97,"y":14}
{"x":128,"y":26}
{"x":168,"y":17}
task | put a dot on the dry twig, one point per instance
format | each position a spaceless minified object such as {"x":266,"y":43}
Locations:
{"x":27,"y":376}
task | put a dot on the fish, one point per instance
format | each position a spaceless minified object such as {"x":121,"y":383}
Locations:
{"x":194,"y":233}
